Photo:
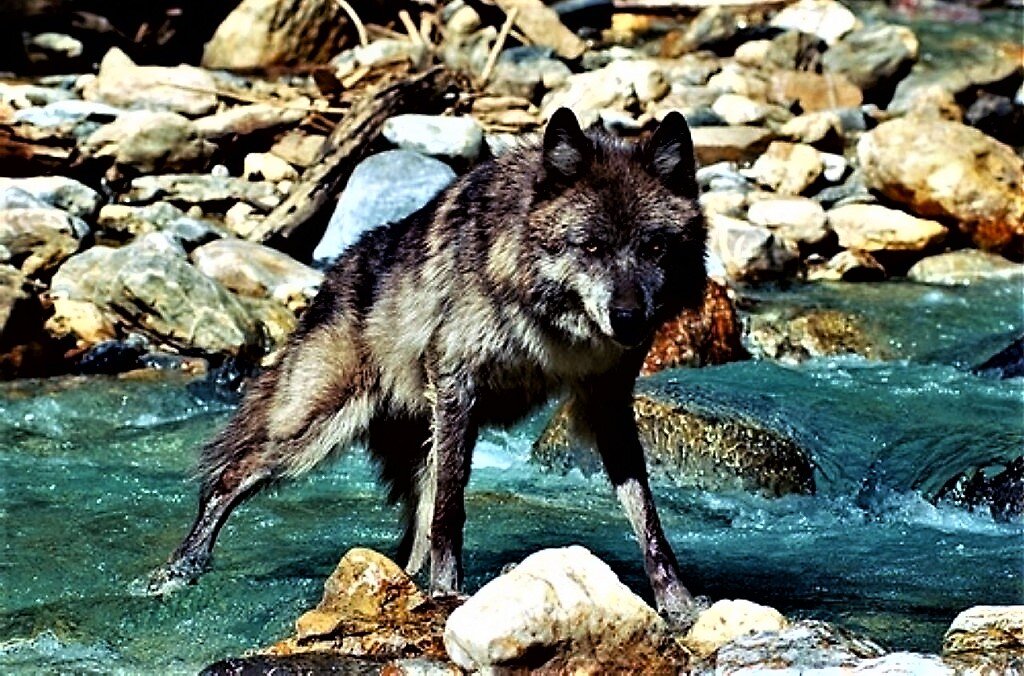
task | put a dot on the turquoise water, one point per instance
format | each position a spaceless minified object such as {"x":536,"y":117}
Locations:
{"x":94,"y":494}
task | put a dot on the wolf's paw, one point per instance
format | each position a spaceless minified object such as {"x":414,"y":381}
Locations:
{"x":172,"y":576}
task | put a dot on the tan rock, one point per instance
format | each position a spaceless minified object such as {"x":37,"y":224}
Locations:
{"x":150,"y":141}
{"x":986,"y":630}
{"x":268,"y":167}
{"x":872,"y":227}
{"x":40,"y":239}
{"x":942,"y":169}
{"x":254,"y":270}
{"x":734,"y":144}
{"x":960,"y":268}
{"x":851,"y":265}
{"x":795,"y":219}
{"x":299,"y":149}
{"x":728,"y":620}
{"x":262,"y":33}
{"x":792,"y":337}
{"x":736,"y":109}
{"x":542,"y":26}
{"x":12,"y":291}
{"x":182,"y":89}
{"x":813,"y":91}
{"x":827,"y":19}
{"x":813,"y":128}
{"x":81,"y":320}
{"x":787,"y":168}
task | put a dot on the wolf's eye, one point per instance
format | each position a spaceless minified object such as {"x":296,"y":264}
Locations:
{"x":590,"y":246}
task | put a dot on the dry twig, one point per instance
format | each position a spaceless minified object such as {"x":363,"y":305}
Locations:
{"x":356,"y":21}
{"x":499,"y":44}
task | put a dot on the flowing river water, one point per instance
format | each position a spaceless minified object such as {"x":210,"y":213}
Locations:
{"x":94,"y":494}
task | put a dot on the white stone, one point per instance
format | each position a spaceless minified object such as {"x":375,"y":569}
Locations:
{"x":736,"y":109}
{"x":872,"y":227}
{"x":267,"y":167}
{"x":435,"y":135}
{"x":797,"y":219}
{"x":556,"y":599}
{"x":827,"y":19}
{"x":72,"y":196}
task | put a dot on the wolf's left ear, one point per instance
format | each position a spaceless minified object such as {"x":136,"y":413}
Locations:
{"x":669,"y":156}
{"x":567,"y":150}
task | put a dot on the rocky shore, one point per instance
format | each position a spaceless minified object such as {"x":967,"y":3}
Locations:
{"x":180,"y":217}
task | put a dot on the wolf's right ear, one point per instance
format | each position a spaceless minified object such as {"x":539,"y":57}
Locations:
{"x":669,"y":156}
{"x":567,"y":150}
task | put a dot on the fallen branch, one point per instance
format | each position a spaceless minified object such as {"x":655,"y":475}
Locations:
{"x":347,"y":144}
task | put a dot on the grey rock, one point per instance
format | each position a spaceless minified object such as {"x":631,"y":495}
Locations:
{"x":750,"y":253}
{"x":150,"y":141}
{"x":805,"y":645}
{"x":64,"y":193}
{"x":203,"y":190}
{"x":150,"y":285}
{"x":796,"y":219}
{"x":435,"y":135}
{"x":28,"y":95}
{"x":244,"y":120}
{"x":383,"y":189}
{"x":528,"y":72}
{"x":695,"y":438}
{"x":40,"y":239}
{"x":71,"y":111}
{"x":722,"y":176}
{"x":123,"y":222}
{"x":874,"y":58}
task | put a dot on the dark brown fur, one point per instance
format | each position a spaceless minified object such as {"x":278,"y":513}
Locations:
{"x":540,"y":273}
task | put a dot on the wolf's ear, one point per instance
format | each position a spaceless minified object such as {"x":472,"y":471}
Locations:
{"x":669,"y":156}
{"x":567,"y":150}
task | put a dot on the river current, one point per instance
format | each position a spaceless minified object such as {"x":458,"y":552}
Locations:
{"x":95,"y":493}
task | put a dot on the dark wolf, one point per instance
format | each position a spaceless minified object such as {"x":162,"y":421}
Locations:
{"x":543,"y":272}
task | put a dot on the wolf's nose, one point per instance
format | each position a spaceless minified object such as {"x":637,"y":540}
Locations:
{"x":627,"y":325}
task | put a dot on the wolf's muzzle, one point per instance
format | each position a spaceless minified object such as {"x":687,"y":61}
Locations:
{"x":629,"y":325}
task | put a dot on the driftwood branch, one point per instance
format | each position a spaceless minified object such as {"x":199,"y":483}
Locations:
{"x":344,"y":148}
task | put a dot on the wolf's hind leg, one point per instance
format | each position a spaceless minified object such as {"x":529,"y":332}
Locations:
{"x":399,"y":444}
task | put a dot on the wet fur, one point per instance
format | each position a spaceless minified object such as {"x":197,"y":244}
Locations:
{"x":473,"y":311}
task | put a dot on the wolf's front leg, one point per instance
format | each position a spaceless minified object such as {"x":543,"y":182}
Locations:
{"x":607,"y":418}
{"x":454,"y":436}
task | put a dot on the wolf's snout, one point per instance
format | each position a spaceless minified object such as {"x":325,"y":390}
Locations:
{"x":628,"y":325}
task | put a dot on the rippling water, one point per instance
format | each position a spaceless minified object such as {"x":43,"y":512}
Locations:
{"x":94,"y":495}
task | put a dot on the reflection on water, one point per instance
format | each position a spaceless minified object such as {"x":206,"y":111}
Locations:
{"x":94,"y":495}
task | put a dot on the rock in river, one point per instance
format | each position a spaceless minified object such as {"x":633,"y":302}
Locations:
{"x":695,"y":439}
{"x":558,"y":603}
{"x":946,"y":170}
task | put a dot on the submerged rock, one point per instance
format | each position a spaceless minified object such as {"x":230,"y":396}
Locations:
{"x":794,"y":335}
{"x":559,"y":605}
{"x":695,"y":440}
{"x":996,"y":487}
{"x":951,"y":172}
{"x":1008,"y":363}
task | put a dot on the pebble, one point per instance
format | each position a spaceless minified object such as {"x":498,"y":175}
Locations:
{"x":436,"y":135}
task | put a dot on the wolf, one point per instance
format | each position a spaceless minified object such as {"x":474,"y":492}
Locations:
{"x":543,"y":272}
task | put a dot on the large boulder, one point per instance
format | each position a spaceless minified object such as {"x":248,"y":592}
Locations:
{"x":986,"y":639}
{"x":263,"y":33}
{"x":182,"y":89}
{"x":946,"y":170}
{"x":694,"y":439}
{"x":557,"y":605}
{"x":872,"y":227}
{"x":150,"y":285}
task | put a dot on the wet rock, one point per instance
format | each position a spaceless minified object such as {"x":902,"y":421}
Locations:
{"x":696,"y":439}
{"x":122,"y":222}
{"x":263,"y":33}
{"x":749,"y":252}
{"x":251,"y":269}
{"x":528,"y":72}
{"x":556,"y":602}
{"x":851,"y":265}
{"x":827,"y":19}
{"x":954,"y":172}
{"x":787,"y":168}
{"x":302,"y":664}
{"x":813,"y":91}
{"x":150,"y":141}
{"x":183,"y":89}
{"x":435,"y":135}
{"x":383,"y":188}
{"x":80,"y":321}
{"x":149,"y":285}
{"x":60,"y":192}
{"x":986,"y":631}
{"x":800,"y":220}
{"x":874,"y":59}
{"x":207,"y":191}
{"x":38,"y":240}
{"x":996,"y":487}
{"x":959,"y":268}
{"x":725,"y":621}
{"x":733,"y":144}
{"x":370,"y":608}
{"x":1007,"y":363}
{"x":794,"y":335}
{"x":267,"y":167}
{"x":803,"y":646}
{"x":872,"y":227}
{"x":709,"y":335}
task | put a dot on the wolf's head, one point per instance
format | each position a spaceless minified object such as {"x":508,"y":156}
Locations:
{"x":618,"y":237}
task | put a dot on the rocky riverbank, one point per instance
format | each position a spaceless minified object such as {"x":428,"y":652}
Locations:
{"x":169,"y":215}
